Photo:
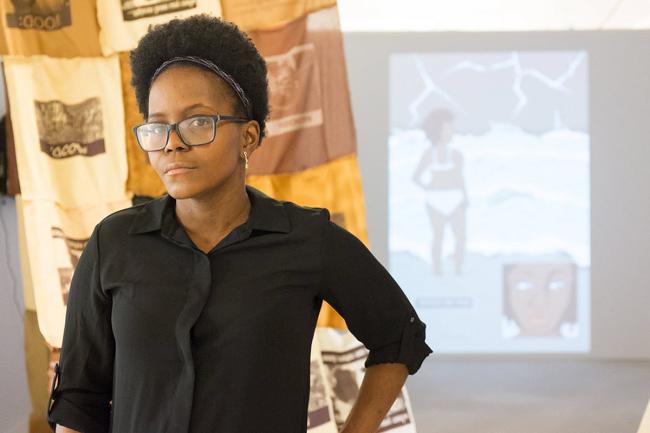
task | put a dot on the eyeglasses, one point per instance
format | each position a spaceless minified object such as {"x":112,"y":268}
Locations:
{"x":193,"y":131}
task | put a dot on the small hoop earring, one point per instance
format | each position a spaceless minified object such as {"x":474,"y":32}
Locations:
{"x":245,"y":161}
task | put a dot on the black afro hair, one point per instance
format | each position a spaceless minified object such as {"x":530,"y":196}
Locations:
{"x":210,"y":38}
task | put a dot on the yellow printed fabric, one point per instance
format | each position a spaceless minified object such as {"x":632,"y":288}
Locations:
{"x":142,"y":178}
{"x":123,"y":22}
{"x":71,"y":158}
{"x":335,"y":186}
{"x":57,"y":28}
{"x":311,"y":117}
{"x":269,"y":14}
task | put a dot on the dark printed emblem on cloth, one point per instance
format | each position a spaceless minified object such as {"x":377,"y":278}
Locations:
{"x":73,"y":249}
{"x":346,"y":370}
{"x":318,"y":412}
{"x":136,"y":9}
{"x":40,"y":14}
{"x":70,"y":130}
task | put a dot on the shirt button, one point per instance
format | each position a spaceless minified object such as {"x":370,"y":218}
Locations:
{"x":412,"y":319}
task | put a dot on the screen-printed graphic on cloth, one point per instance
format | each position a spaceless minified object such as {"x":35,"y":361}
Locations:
{"x":57,"y":28}
{"x":268,"y":14}
{"x":336,"y":186}
{"x":124,"y":22}
{"x":344,"y":357}
{"x":320,"y":413}
{"x":55,"y":240}
{"x":68,"y":130}
{"x":311,"y":118}
{"x":142,"y":178}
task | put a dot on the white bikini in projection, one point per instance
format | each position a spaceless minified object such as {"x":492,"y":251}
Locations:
{"x":440,"y":174}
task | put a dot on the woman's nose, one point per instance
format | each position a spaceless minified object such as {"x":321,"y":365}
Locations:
{"x":175,"y":142}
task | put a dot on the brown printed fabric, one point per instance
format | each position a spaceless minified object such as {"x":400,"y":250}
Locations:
{"x":57,"y":28}
{"x":124,"y":22}
{"x":344,"y":358}
{"x":311,"y":117}
{"x":269,"y":14}
{"x":142,"y":178}
{"x":67,"y":130}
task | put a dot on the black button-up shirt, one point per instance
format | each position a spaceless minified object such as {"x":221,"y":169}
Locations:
{"x":161,"y":337}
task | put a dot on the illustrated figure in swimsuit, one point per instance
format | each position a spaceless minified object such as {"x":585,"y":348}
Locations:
{"x":440,"y":174}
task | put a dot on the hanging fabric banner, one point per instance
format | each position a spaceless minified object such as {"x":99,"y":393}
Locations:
{"x":123,"y":23}
{"x":71,"y":158}
{"x":142,"y":178}
{"x":320,"y":412}
{"x":344,"y":358}
{"x":269,"y":14}
{"x":57,"y":28}
{"x":311,"y":117}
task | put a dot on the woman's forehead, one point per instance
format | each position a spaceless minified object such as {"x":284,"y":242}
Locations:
{"x":182,"y":86}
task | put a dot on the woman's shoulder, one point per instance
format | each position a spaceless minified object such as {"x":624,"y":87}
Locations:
{"x":122,"y":221}
{"x":301,"y":214}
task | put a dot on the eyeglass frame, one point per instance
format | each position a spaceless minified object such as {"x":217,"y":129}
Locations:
{"x":174,"y":126}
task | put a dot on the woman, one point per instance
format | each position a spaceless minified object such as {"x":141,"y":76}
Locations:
{"x":195,"y":312}
{"x":440,"y":174}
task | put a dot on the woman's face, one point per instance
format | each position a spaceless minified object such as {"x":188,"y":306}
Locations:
{"x":539,"y":295}
{"x":185,"y":91}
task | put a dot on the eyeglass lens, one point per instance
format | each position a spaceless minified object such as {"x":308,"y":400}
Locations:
{"x":193,"y":132}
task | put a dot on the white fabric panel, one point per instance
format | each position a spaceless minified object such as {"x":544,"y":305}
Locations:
{"x":493,"y":15}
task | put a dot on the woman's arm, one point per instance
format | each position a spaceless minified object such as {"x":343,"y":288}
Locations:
{"x":425,"y":160}
{"x":380,"y":387}
{"x":61,"y":429}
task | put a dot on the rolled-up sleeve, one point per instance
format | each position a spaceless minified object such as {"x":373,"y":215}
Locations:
{"x":82,"y":387}
{"x":375,"y":308}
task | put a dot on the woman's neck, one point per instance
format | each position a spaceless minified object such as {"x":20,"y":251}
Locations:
{"x":209,"y":218}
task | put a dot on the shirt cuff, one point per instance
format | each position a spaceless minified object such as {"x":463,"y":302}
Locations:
{"x":410,"y":350}
{"x":86,"y":418}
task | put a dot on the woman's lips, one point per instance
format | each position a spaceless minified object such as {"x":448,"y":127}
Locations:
{"x":174,"y":171}
{"x":178,"y":168}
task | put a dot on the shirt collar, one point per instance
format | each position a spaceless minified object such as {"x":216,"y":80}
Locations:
{"x":267,"y":214}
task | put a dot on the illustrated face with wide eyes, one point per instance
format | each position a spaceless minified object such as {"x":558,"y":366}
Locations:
{"x":539,"y":296}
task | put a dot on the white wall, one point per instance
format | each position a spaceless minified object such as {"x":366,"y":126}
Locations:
{"x":620,"y":151}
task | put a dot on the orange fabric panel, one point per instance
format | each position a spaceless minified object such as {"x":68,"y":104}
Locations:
{"x":56,"y":28}
{"x":267,"y":14}
{"x":335,"y":186}
{"x":311,"y":117}
{"x":142,"y":179}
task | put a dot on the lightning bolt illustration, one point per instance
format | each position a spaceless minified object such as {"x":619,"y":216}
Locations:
{"x":557,"y":83}
{"x":430,"y":88}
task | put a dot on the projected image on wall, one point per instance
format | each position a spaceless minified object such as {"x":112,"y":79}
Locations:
{"x":489,"y":202}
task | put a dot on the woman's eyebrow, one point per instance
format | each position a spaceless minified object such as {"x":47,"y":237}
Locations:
{"x":185,"y":110}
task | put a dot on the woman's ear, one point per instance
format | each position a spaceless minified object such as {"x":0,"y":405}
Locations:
{"x":250,"y":137}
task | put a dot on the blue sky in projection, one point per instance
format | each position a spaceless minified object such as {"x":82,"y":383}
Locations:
{"x":510,"y":272}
